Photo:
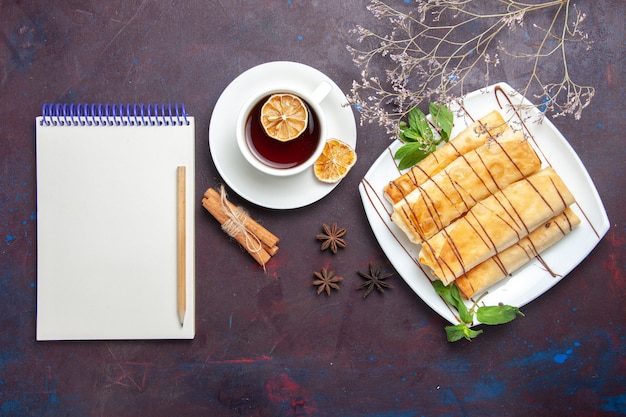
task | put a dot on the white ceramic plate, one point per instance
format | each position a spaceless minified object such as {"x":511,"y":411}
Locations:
{"x":265,"y":190}
{"x":533,"y":279}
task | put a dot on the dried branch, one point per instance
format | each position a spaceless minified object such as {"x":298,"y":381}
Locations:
{"x":438,"y":49}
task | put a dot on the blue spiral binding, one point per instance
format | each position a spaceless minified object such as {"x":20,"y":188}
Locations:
{"x":98,"y":114}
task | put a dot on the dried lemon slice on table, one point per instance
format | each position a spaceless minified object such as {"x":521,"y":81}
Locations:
{"x":335,"y":161}
{"x":284,"y":117}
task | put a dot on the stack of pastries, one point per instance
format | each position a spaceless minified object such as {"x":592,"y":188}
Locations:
{"x":481,"y":206}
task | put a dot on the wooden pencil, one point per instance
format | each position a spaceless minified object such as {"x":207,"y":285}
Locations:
{"x":181,"y":282}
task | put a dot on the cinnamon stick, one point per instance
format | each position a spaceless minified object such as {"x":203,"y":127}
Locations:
{"x":266,"y":238}
{"x":221,"y":210}
{"x":264,"y":235}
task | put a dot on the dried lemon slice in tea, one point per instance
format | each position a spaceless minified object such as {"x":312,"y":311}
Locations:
{"x":335,"y":161}
{"x":284,"y":117}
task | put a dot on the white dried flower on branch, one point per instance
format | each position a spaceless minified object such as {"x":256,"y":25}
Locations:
{"x":439,"y":49}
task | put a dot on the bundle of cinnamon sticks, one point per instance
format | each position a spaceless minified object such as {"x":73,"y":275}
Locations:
{"x":259,"y":242}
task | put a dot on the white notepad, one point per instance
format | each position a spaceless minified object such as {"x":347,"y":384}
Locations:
{"x":107,"y":222}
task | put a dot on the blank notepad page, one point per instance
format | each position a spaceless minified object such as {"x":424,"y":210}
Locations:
{"x":107,"y":224}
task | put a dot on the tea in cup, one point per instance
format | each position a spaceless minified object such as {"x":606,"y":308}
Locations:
{"x":282,"y":131}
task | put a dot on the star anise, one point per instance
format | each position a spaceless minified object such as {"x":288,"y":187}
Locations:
{"x":326,"y":280}
{"x":375,"y":279}
{"x":332,"y":237}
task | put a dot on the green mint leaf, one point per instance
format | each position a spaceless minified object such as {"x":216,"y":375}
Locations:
{"x":464,"y":313}
{"x":402,"y":128}
{"x":410,"y":160}
{"x":418,"y":123}
{"x":460,"y":331}
{"x":443,"y":118}
{"x":409,"y":135}
{"x":452,"y":296}
{"x":443,"y":291}
{"x":418,"y":131}
{"x":497,"y":314}
{"x":409,"y":154}
{"x":405,"y":150}
{"x":415,"y":115}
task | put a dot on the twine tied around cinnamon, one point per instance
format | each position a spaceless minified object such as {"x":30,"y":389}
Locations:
{"x":259,"y":242}
{"x":236,"y":224}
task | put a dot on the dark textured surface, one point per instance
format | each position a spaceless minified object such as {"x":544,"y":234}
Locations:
{"x":266,"y":345}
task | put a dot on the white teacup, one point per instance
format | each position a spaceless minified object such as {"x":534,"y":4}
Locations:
{"x":282,"y":158}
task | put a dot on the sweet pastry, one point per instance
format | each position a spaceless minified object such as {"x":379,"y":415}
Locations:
{"x":488,"y":127}
{"x":494,"y":224}
{"x":449,"y":194}
{"x":494,"y":269}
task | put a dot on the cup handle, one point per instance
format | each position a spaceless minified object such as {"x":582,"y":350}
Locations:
{"x":321,"y":91}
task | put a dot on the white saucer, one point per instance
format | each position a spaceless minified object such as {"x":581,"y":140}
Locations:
{"x":264,"y":190}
